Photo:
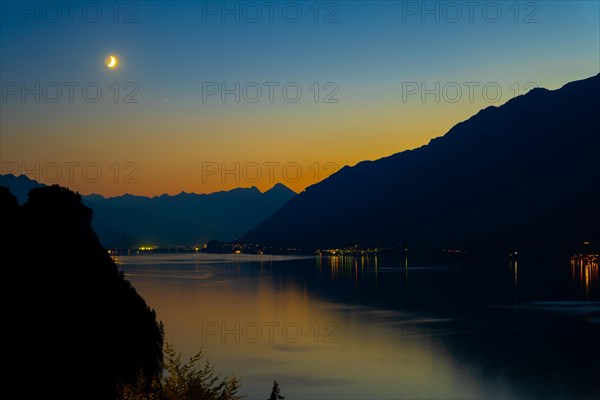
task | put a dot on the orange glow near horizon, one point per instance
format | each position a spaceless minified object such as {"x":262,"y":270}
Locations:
{"x":144,"y":107}
{"x":173,"y":147}
{"x":118,"y":157}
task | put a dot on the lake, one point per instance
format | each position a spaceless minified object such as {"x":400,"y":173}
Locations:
{"x":341,"y":327}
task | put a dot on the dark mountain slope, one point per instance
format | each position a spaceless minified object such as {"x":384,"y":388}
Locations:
{"x":526,"y":174}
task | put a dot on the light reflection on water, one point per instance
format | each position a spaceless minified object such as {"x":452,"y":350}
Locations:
{"x":350,"y":328}
{"x":584,"y":272}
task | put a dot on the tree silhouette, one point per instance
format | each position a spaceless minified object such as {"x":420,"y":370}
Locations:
{"x":275,"y":392}
{"x":194,"y":380}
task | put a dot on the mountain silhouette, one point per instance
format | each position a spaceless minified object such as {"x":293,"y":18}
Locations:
{"x":19,"y":185}
{"x":522,"y":175}
{"x":183,"y":219}
{"x":75,"y":326}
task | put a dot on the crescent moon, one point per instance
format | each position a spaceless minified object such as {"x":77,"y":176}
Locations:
{"x":111,"y":61}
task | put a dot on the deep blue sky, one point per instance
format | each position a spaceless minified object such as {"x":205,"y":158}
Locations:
{"x":369,"y":51}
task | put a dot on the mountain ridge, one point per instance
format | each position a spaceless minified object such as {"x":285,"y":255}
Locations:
{"x":399,"y":198}
{"x":184,"y":219}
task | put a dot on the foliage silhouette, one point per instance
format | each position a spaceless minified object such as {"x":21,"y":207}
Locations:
{"x":194,"y":380}
{"x":275,"y":392}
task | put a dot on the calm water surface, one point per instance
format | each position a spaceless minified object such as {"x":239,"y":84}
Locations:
{"x":374,"y":328}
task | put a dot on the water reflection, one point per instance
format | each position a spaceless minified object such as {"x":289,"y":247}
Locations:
{"x":514,"y":270}
{"x":338,"y":327}
{"x":584,"y":273}
{"x":261,"y":321}
{"x":342,"y":266}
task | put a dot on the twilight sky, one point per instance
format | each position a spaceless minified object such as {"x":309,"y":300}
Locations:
{"x":206,"y":95}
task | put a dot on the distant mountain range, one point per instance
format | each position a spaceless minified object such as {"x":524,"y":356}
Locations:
{"x":19,"y":185}
{"x":522,"y":175}
{"x":184,"y":219}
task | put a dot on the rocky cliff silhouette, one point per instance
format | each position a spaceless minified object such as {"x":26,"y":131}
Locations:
{"x":75,"y":326}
